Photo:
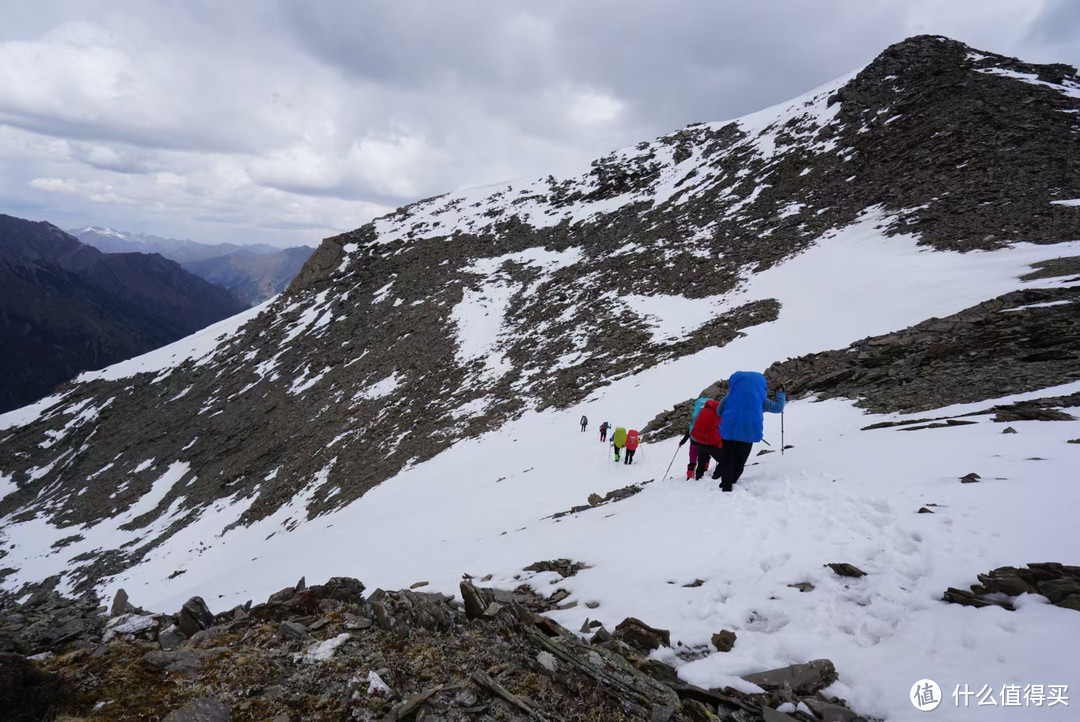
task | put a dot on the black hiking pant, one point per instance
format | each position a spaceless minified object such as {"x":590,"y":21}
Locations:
{"x":603,"y":434}
{"x":583,"y":425}
{"x":629,"y":456}
{"x":704,"y":453}
{"x":732,"y":463}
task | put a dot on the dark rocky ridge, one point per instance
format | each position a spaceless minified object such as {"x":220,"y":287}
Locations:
{"x":688,"y":213}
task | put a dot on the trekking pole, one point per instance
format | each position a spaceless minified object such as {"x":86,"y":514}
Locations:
{"x":672,"y":462}
{"x":783,"y":388}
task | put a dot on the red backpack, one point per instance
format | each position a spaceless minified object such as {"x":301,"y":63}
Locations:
{"x":707,"y":425}
{"x":631,"y":439}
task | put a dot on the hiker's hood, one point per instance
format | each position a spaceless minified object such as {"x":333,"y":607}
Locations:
{"x":750,"y":383}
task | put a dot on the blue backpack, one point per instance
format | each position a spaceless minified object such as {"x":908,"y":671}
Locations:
{"x":697,"y":409}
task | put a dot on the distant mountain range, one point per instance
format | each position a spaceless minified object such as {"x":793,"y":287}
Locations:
{"x":66,"y":307}
{"x":253,"y":272}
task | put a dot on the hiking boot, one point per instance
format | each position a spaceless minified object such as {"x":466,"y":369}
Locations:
{"x":689,"y":474}
{"x":725,"y":487}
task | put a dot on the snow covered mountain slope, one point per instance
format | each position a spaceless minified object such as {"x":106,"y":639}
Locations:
{"x":407,"y":410}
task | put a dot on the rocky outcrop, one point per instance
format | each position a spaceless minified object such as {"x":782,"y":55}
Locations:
{"x":596,"y":500}
{"x":45,"y":619}
{"x":1059,"y":583}
{"x":798,"y":679}
{"x":329,"y":653}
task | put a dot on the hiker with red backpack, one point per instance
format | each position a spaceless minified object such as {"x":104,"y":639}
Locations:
{"x":603,"y":430}
{"x":740,"y":418}
{"x":693,"y":444}
{"x":632,"y":441}
{"x":705,"y":432}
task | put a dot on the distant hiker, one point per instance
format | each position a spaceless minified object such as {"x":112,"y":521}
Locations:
{"x":584,"y":422}
{"x":632,"y":441}
{"x":618,"y":440}
{"x":742,"y":422}
{"x":706,"y":434}
{"x":603,"y":430}
{"x":693,"y":444}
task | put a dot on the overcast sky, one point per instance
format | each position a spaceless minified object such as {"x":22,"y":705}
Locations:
{"x":285,"y":122}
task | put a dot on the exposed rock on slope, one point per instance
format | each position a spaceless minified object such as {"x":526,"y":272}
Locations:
{"x":451,"y":315}
{"x":1059,"y":583}
{"x":329,"y":653}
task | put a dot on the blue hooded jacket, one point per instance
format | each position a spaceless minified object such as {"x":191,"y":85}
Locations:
{"x":742,"y":416}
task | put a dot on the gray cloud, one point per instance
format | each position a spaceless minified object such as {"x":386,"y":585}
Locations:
{"x":287,"y":121}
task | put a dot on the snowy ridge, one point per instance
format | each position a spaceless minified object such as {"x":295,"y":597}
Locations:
{"x":539,"y":201}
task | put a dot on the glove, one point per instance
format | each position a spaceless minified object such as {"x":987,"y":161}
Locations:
{"x":781,"y":387}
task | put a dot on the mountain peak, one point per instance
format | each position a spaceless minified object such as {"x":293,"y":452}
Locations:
{"x":937,"y":51}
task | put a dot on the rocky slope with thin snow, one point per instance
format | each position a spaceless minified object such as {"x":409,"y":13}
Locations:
{"x":446,"y":318}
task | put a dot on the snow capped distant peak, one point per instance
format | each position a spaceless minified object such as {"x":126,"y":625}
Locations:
{"x":106,"y":231}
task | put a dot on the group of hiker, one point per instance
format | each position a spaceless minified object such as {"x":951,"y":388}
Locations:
{"x":726,"y":430}
{"x":621,"y":440}
{"x":721,"y":430}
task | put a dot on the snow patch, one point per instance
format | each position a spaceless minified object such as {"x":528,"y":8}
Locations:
{"x":673,"y":318}
{"x":321,"y":651}
{"x":7,"y":485}
{"x":381,"y":388}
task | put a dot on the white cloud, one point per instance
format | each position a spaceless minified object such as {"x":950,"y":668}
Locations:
{"x":393,"y":164}
{"x":54,"y":185}
{"x":247,"y":121}
{"x":589,"y":108}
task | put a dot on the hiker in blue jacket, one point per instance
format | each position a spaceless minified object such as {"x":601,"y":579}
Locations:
{"x":742,"y":421}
